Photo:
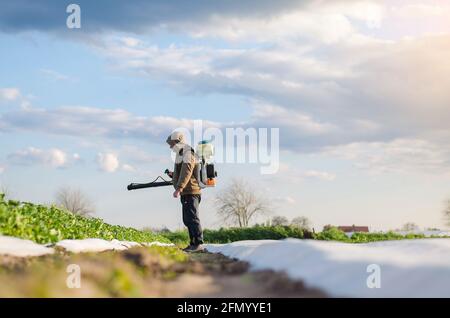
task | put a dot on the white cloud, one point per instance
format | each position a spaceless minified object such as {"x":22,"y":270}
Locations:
{"x":326,"y":27}
{"x":319,"y":175}
{"x":2,"y":169}
{"x":279,"y":116}
{"x":90,"y":121}
{"x":398,"y":156}
{"x":9,"y":94}
{"x":52,"y":74}
{"x":348,"y":91}
{"x":323,"y":84}
{"x":141,"y":16}
{"x":422,"y":10}
{"x":131,"y":42}
{"x":317,"y":21}
{"x":54,"y":157}
{"x":57,"y":158}
{"x":284,"y":200}
{"x":108,"y":161}
{"x":128,"y":168}
{"x":138,"y":155}
{"x":295,"y":175}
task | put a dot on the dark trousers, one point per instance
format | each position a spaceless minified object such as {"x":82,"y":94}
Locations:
{"x":190,"y":203}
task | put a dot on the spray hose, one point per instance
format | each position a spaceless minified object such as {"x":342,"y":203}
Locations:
{"x":153,"y":184}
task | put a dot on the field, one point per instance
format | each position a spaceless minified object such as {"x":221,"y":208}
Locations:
{"x":136,"y":272}
{"x":50,"y":224}
{"x":144,"y":272}
{"x":283,"y":260}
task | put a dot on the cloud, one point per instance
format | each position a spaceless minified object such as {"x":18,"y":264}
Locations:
{"x":282,"y":200}
{"x":328,"y":74}
{"x":299,"y":24}
{"x":278,"y":116}
{"x":298,"y":131}
{"x":92,"y":122}
{"x":128,"y":168}
{"x":321,"y":88}
{"x":254,"y":20}
{"x":319,"y":175}
{"x":136,"y":16}
{"x":336,"y":94}
{"x":2,"y":168}
{"x":9,"y":94}
{"x":137,"y":155}
{"x":397,"y":156}
{"x":288,"y":172}
{"x":55,"y":75}
{"x":108,"y":161}
{"x":421,"y":10}
{"x":54,"y":157}
{"x":316,"y":21}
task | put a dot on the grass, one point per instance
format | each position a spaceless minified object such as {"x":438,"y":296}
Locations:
{"x":334,"y":234}
{"x":44,"y":224}
{"x":227,"y":235}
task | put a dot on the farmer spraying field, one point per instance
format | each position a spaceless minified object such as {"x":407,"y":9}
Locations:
{"x":192,"y":172}
{"x":187,"y":188}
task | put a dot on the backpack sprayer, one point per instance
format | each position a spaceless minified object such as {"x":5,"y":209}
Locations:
{"x":204,"y":171}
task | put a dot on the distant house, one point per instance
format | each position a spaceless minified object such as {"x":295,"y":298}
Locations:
{"x":353,"y":229}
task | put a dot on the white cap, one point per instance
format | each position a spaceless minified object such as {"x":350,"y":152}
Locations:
{"x":176,"y":136}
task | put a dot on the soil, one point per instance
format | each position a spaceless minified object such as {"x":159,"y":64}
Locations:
{"x":139,"y":272}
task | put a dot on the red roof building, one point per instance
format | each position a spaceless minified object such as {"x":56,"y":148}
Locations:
{"x":354,"y":228}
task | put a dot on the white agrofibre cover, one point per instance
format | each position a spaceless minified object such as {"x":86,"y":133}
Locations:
{"x":407,"y":268}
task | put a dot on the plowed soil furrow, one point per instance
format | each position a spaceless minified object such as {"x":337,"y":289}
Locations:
{"x":140,"y":272}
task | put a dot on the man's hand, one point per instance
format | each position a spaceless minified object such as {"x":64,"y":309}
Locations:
{"x":169,"y":173}
{"x":177,"y":193}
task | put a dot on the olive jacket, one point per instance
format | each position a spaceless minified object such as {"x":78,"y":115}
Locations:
{"x":183,"y":172}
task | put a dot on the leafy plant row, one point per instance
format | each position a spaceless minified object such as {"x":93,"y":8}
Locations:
{"x":45,"y":224}
{"x":227,"y":235}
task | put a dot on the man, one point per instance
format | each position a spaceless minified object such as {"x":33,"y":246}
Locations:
{"x":187,"y":188}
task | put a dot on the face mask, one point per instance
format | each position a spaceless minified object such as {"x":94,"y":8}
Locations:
{"x":177,"y":147}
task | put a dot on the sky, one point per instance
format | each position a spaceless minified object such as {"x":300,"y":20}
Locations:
{"x":359,"y":91}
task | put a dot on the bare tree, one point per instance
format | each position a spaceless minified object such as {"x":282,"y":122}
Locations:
{"x":301,"y":222}
{"x":238,"y":204}
{"x":279,"y":220}
{"x":74,"y":201}
{"x":447,"y":213}
{"x":410,"y":227}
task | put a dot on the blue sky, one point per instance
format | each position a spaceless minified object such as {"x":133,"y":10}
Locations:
{"x":358,"y":89}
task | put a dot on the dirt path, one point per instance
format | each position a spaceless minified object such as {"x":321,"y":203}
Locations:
{"x":232,"y":278}
{"x":144,"y":272}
